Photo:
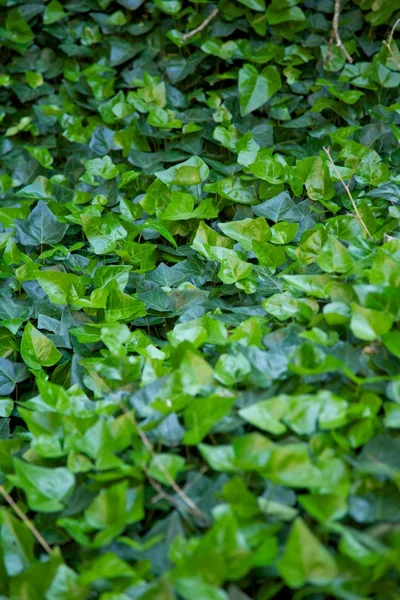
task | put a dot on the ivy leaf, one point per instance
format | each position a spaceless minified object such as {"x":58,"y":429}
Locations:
{"x":103,"y":232}
{"x":16,"y":544}
{"x":100,"y":167}
{"x":258,"y":5}
{"x":305,"y":559}
{"x":11,"y":373}
{"x":41,"y":227}
{"x":61,"y":288}
{"x":255,"y":89}
{"x":368,"y":324}
{"x":16,"y":28}
{"x":191,"y":172}
{"x":37,"y":350}
{"x":42,"y":155}
{"x":334,"y":257}
{"x":53,"y":12}
{"x":120,"y":306}
{"x":246,"y":231}
{"x":45,"y":488}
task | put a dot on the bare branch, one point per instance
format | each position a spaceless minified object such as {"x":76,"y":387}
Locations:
{"x":335,"y":35}
{"x":390,"y":38}
{"x":202,"y":25}
{"x":25,"y":520}
{"x":388,"y":44}
{"x":161,"y":493}
{"x":346,"y":187}
{"x":178,"y":490}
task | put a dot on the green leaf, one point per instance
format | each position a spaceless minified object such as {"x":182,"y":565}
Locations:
{"x":45,"y":488}
{"x":122,"y":307}
{"x":334,"y":257}
{"x":115,"y":507}
{"x":6,"y":407}
{"x":191,"y":172}
{"x":255,"y":89}
{"x":37,"y":350}
{"x":53,"y":12}
{"x":170,"y":7}
{"x":283,"y":233}
{"x":100,"y":167}
{"x":206,"y":237}
{"x":202,"y":414}
{"x":11,"y":373}
{"x":368,"y":324}
{"x":258,"y":5}
{"x":269,"y":255}
{"x":41,"y":227}
{"x":195,"y":373}
{"x":16,"y":544}
{"x":392,"y":342}
{"x":305,"y":559}
{"x":103,"y":232}
{"x":182,"y":207}
{"x":65,"y":585}
{"x":61,"y":288}
{"x":42,"y":155}
{"x":16,"y":28}
{"x":246,"y":231}
{"x":314,"y":173}
{"x":266,"y":415}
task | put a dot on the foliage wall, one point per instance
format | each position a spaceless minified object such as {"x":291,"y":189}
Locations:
{"x":199,"y":300}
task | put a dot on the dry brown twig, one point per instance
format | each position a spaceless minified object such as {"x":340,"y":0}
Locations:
{"x":161,"y":493}
{"x":202,"y":25}
{"x":178,"y":490}
{"x":25,"y":520}
{"x":388,"y":44}
{"x":346,"y":187}
{"x":336,"y":36}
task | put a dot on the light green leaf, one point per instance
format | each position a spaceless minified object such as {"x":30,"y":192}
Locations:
{"x":103,"y":232}
{"x":37,"y":350}
{"x":368,"y":324}
{"x":53,"y":12}
{"x":305,"y":559}
{"x":61,"y":288}
{"x":191,"y":172}
{"x":246,"y":231}
{"x":122,"y":307}
{"x":46,"y":488}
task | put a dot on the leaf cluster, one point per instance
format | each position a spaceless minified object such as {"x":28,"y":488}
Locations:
{"x":199,"y":335}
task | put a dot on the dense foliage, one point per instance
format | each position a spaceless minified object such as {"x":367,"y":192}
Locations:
{"x":199,"y":300}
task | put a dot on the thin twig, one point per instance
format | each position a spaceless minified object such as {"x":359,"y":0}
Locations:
{"x":388,"y":44}
{"x":161,"y":493}
{"x":199,"y":475}
{"x":202,"y":25}
{"x":392,"y":32}
{"x":346,"y":187}
{"x":336,"y":36}
{"x":25,"y":520}
{"x":178,"y":490}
